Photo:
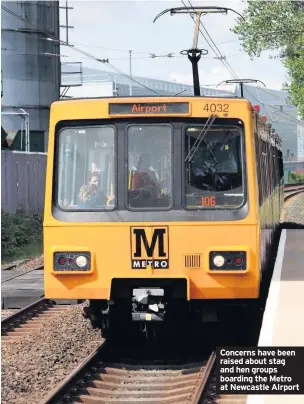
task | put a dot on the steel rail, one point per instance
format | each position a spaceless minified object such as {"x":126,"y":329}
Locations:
{"x":204,"y":379}
{"x":63,"y":388}
{"x":25,"y":311}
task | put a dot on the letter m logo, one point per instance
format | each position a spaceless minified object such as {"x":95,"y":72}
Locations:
{"x":149,"y":243}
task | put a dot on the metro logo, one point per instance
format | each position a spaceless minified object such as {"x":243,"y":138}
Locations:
{"x":149,"y":247}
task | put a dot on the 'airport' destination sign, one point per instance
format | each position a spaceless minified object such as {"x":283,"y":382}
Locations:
{"x":153,"y":108}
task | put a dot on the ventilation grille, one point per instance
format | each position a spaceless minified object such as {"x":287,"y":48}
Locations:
{"x":192,"y":261}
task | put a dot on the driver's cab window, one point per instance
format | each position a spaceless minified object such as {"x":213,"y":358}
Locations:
{"x":149,"y":166}
{"x":213,"y":164}
{"x":86,"y":174}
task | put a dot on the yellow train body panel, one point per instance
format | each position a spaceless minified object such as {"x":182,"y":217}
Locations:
{"x":112,"y":259}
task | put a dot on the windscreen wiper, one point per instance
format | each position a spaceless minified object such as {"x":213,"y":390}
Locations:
{"x":200,"y":137}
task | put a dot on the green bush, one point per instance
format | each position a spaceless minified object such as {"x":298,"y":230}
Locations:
{"x":295,"y":178}
{"x":18,"y":229}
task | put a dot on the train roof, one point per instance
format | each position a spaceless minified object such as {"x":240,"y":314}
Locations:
{"x":232,"y":97}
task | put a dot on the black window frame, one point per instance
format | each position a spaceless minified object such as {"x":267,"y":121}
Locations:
{"x":243,"y":164}
{"x":121,"y":214}
{"x":126,"y":199}
{"x":57,"y":159}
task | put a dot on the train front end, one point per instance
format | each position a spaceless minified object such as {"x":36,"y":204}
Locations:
{"x":151,"y":208}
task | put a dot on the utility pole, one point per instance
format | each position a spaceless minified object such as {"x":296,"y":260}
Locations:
{"x":194,"y":54}
{"x":66,"y":26}
{"x":130,"y":53}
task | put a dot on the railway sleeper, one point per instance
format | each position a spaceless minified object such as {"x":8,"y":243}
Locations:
{"x":180,"y":398}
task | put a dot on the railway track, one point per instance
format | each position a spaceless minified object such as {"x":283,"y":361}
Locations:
{"x":291,"y":190}
{"x":22,"y":273}
{"x":98,"y":380}
{"x":24,"y":321}
{"x":210,"y":396}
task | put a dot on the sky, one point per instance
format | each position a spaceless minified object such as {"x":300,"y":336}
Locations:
{"x":108,"y":29}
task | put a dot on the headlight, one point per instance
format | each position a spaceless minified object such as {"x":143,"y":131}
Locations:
{"x":81,"y":261}
{"x":218,"y":261}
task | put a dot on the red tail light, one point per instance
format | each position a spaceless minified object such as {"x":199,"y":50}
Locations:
{"x":62,"y":261}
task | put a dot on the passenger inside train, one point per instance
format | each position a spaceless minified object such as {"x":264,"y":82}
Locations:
{"x":145,"y":176}
{"x":149,"y":160}
{"x":90,"y":195}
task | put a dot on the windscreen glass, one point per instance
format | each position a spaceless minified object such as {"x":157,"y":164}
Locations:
{"x":86,"y":169}
{"x":213,"y":168}
{"x":149,"y":167}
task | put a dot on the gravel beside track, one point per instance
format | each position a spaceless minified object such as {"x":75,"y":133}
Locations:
{"x":37,"y":363}
{"x":34,"y":263}
{"x":25,"y":264}
{"x":295,"y":210}
{"x":23,"y":322}
{"x":6,"y":313}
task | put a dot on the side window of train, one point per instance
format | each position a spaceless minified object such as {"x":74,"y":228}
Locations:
{"x":281,"y":165}
{"x":258,"y":168}
{"x":86,"y":168}
{"x":276,"y":164}
{"x":149,"y":167}
{"x":266,"y":168}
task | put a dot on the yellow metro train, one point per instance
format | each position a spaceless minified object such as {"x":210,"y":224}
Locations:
{"x":159,"y":208}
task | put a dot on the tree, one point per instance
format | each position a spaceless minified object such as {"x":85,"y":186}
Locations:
{"x":277,"y":25}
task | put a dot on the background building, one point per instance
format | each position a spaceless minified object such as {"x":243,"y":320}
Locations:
{"x":274,"y":104}
{"x":30,"y":72}
{"x":32,"y":78}
{"x":280,"y":113}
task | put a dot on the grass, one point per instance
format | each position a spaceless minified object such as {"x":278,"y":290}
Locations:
{"x":21,"y":235}
{"x":26,"y":251}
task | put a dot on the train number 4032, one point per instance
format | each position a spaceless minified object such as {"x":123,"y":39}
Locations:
{"x":216,"y":107}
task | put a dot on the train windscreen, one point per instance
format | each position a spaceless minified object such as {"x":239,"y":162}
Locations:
{"x":86,"y":168}
{"x":213,"y":168}
{"x":149,"y":166}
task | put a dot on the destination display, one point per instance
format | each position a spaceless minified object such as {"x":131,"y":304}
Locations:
{"x":157,"y":108}
{"x":260,"y":370}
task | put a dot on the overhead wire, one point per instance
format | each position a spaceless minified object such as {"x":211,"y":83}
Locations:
{"x":104,"y":61}
{"x":291,"y":118}
{"x":217,"y":51}
{"x":272,"y":106}
{"x":63,"y":43}
{"x":85,"y":57}
{"x":150,"y":54}
{"x":223,"y":58}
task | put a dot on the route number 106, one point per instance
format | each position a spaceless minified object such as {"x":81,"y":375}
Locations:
{"x":208,"y":201}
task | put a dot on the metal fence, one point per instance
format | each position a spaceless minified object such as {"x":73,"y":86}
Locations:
{"x":22,"y":181}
